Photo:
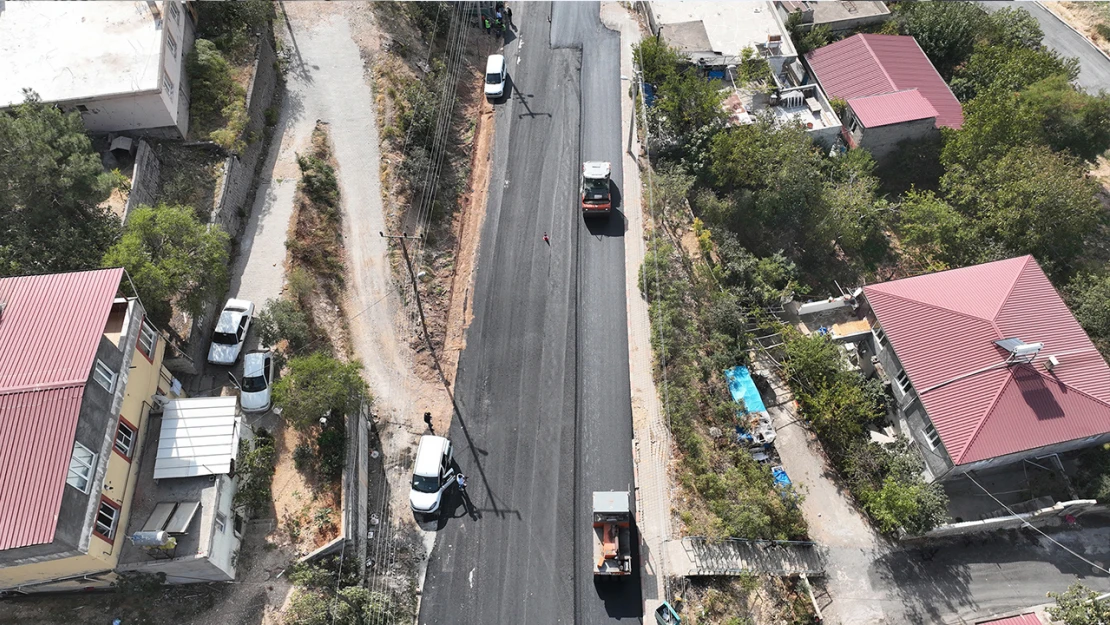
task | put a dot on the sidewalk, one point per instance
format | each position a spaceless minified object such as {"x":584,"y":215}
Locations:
{"x":652,"y":445}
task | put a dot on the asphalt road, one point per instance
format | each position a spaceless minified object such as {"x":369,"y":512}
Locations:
{"x":542,"y":394}
{"x":1094,"y":68}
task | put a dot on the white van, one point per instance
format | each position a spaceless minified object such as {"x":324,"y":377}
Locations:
{"x":431,"y":473}
{"x":495,"y":76}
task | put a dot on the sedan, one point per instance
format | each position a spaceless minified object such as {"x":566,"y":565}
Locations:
{"x":231,"y":332}
{"x":258,"y":378}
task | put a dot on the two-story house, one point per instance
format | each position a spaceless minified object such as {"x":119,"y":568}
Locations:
{"x":988,"y":366}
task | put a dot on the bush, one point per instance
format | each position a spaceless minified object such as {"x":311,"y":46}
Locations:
{"x":256,"y":472}
{"x":283,"y":320}
{"x":331,"y":450}
{"x":233,"y":26}
{"x":303,"y":458}
{"x":316,"y":386}
{"x":217,"y":104}
{"x":318,"y":181}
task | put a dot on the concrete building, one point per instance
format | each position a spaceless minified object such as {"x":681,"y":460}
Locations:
{"x":893,"y":92}
{"x":987,"y":365}
{"x":714,"y":35}
{"x":121,"y":65}
{"x":80,"y":367}
{"x":837,"y":16}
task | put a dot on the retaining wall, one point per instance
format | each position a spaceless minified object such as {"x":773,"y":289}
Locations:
{"x":1038,"y":518}
{"x":146,"y":179}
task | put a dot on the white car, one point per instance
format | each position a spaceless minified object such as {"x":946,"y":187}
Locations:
{"x":231,"y":331}
{"x":258,"y":378}
{"x":431,"y":474}
{"x":495,"y":76}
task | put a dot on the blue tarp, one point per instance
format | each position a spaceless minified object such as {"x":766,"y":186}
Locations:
{"x":649,"y":94}
{"x":781,"y":479}
{"x":743,"y":389}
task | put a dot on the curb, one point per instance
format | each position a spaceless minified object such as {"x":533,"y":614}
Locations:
{"x":1073,"y":29}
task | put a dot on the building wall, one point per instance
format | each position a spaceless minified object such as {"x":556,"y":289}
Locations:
{"x":77,"y":550}
{"x":139,"y":114}
{"x":224,"y":546}
{"x":1030,"y":454}
{"x":883,"y":141}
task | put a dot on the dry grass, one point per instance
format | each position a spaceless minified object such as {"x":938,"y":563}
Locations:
{"x":762,"y":599}
{"x":1086,"y":17}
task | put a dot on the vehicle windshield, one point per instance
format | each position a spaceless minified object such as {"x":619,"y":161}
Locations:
{"x":225,"y":338}
{"x":255,"y":384}
{"x":596,"y":190}
{"x":424,"y":484}
{"x":493,"y":79}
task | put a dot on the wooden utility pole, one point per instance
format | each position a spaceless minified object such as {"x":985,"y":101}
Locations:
{"x":415,"y":288}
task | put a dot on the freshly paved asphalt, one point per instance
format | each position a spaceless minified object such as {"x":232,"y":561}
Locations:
{"x":1094,"y":68}
{"x":542,"y":394}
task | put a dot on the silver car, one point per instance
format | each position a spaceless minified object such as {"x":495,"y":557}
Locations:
{"x":258,"y":379}
{"x":231,"y":332}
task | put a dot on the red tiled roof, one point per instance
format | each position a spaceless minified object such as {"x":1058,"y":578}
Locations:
{"x":1024,"y":619}
{"x":891,"y":108}
{"x":50,"y":328}
{"x":942,"y":327}
{"x":866,"y":65}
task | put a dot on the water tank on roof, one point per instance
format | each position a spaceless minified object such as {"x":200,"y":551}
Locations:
{"x":159,"y":538}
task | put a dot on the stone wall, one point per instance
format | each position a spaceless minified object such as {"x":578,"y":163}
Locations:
{"x":1052,"y":515}
{"x":146,"y":179}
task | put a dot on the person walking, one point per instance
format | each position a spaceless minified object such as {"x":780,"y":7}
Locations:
{"x":460,"y":479}
{"x":428,"y":420}
{"x":486,"y":24}
{"x":509,"y":17}
{"x":545,"y":239}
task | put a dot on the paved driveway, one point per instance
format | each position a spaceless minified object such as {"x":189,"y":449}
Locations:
{"x":1094,"y":67}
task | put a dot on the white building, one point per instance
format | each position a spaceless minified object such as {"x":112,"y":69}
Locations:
{"x":120,"y":64}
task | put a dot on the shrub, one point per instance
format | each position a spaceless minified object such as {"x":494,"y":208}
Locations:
{"x":256,"y":472}
{"x":283,"y":320}
{"x":303,"y":458}
{"x":331,"y":450}
{"x":318,"y":181}
{"x":316,"y":386}
{"x":217,"y":102}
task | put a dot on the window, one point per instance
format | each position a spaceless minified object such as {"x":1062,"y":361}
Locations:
{"x":107,"y":517}
{"x":932,"y":436}
{"x":880,"y":336}
{"x":125,"y":439}
{"x":171,"y":43}
{"x":81,"y":465}
{"x":148,"y":339}
{"x":221,"y":522}
{"x":904,"y":382}
{"x":104,"y":376}
{"x":175,"y":11}
{"x":167,"y":84}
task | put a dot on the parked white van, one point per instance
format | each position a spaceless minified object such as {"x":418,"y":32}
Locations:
{"x":431,"y":473}
{"x":495,"y":76}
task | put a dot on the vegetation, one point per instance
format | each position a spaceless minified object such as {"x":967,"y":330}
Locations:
{"x":255,"y":469}
{"x":1079,"y":605}
{"x":317,"y":241}
{"x":217,"y":107}
{"x":233,"y":27}
{"x":52,"y":187}
{"x":317,"y":602}
{"x":1089,"y":298}
{"x":172,"y":258}
{"x":317,"y":386}
{"x":885,"y":479}
{"x":283,"y":320}
{"x":1093,"y":480}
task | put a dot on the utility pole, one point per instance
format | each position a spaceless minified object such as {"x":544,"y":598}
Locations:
{"x":415,"y":289}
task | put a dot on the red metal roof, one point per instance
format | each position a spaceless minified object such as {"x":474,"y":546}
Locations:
{"x":942,"y":327}
{"x":1023,"y":619}
{"x":50,"y":328}
{"x":891,"y":108}
{"x":867,"y":65}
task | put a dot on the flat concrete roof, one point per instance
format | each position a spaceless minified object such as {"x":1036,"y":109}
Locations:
{"x":826,"y":12}
{"x":731,"y":26}
{"x":78,"y":50}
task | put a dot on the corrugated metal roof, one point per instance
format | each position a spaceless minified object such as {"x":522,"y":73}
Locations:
{"x":867,"y":65}
{"x":942,"y":327}
{"x":891,"y":108}
{"x":50,"y":329}
{"x":1023,"y":619}
{"x":199,"y":436}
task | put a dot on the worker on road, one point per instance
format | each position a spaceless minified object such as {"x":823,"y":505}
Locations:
{"x":486,"y":24}
{"x":460,"y":479}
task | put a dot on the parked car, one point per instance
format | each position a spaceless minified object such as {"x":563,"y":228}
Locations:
{"x":431,"y":473}
{"x":231,"y":331}
{"x":258,"y":377}
{"x":495,"y":76}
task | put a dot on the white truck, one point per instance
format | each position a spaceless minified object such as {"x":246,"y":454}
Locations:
{"x":612,"y":533}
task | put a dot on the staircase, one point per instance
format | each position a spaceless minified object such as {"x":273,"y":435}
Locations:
{"x":698,"y":556}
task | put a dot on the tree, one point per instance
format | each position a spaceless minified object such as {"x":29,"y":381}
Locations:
{"x":657,"y":60}
{"x":171,"y":257}
{"x":318,"y":385}
{"x":1088,"y":297}
{"x":931,"y":231}
{"x":687,"y":102}
{"x":1012,"y":69}
{"x":217,"y":103}
{"x":994,"y":123}
{"x":1070,"y":119}
{"x":1079,"y":605}
{"x":1013,"y":28}
{"x":283,"y":320}
{"x":1032,"y":201}
{"x":52,"y":186}
{"x":946,"y":31}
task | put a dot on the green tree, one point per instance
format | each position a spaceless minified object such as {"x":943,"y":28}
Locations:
{"x":908,"y":503}
{"x":316,"y":385}
{"x":1070,"y":119}
{"x":946,"y":31}
{"x":1032,"y":201}
{"x":994,"y":123}
{"x":931,"y":231}
{"x":1013,"y":28}
{"x":1011,"y":69}
{"x":283,"y":320}
{"x":52,"y":186}
{"x":1079,"y":605}
{"x":657,"y":60}
{"x":171,"y":257}
{"x":1088,"y":297}
{"x":688,"y":102}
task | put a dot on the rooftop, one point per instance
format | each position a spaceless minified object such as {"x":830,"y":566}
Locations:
{"x":892,"y":108}
{"x":943,"y":327}
{"x":868,"y":65}
{"x":79,"y":50}
{"x":830,"y":13}
{"x":199,"y":436}
{"x":729,"y":26}
{"x":50,"y":328}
